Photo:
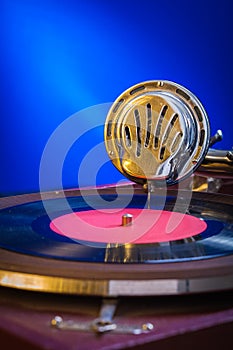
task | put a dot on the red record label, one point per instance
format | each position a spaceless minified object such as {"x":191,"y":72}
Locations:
{"x":106,"y":226}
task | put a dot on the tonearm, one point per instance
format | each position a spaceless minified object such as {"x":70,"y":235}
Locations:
{"x":159,"y":131}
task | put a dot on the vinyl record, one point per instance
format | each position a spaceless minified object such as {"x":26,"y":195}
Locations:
{"x":97,"y":255}
{"x":26,"y":228}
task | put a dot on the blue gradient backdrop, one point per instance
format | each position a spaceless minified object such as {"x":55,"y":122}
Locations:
{"x":58,"y":57}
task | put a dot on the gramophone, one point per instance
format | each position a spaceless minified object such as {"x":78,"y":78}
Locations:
{"x":172,"y":237}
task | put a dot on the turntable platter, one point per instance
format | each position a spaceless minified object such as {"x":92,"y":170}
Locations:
{"x":35,"y":257}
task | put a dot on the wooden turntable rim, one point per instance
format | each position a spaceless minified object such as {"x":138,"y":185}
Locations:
{"x":51,"y":275}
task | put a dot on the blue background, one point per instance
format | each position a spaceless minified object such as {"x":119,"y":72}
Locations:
{"x":58,"y":57}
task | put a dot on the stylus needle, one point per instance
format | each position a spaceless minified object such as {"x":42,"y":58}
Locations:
{"x":104,"y":323}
